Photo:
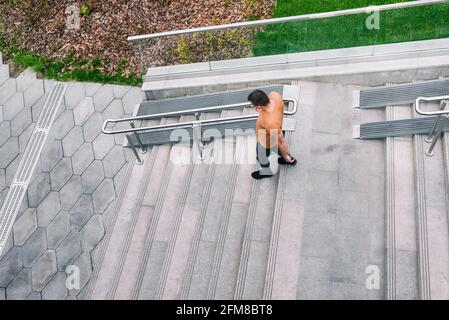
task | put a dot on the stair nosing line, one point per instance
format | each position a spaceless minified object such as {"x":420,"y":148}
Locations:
{"x":194,"y":249}
{"x":246,"y":247}
{"x":175,"y":230}
{"x":224,"y":223}
{"x":132,"y":224}
{"x":275,"y":231}
{"x":390,"y":215}
{"x":152,"y":231}
{"x":193,"y":254}
{"x":421,"y":215}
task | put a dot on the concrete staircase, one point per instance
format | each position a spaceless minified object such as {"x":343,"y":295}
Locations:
{"x":417,"y":230}
{"x":206,"y":230}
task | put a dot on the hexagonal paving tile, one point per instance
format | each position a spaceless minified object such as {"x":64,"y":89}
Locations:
{"x":13,"y":106}
{"x":113,"y":161}
{"x":37,"y":107}
{"x":56,"y":289}
{"x":82,"y":158}
{"x":91,"y":88}
{"x":71,"y":192}
{"x":61,"y":173}
{"x":72,"y":141}
{"x":58,"y":229}
{"x":11,"y":170}
{"x":69,"y":250}
{"x":103,"y":196}
{"x":25,"y":137}
{"x":62,"y":125}
{"x":51,"y":154}
{"x":48,"y":209}
{"x":21,"y":121}
{"x":20,"y":287}
{"x":7,"y":90}
{"x":38,"y":189}
{"x":5,"y":131}
{"x":34,"y":296}
{"x":33,"y":93}
{"x":103,"y":97}
{"x":9,"y":151}
{"x":74,"y":94}
{"x":81,"y":212}
{"x":2,"y":179}
{"x":43,"y":270}
{"x":114,"y":110}
{"x":84,"y":263}
{"x":133,"y":96}
{"x":119,"y":90}
{"x":34,"y":247}
{"x":92,"y":177}
{"x":25,"y":79}
{"x":92,"y":233}
{"x":24,"y":226}
{"x":10,"y":265}
{"x":92,"y":127}
{"x":102,"y":145}
{"x":83,"y":111}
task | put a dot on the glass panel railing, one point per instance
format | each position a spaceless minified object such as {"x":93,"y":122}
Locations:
{"x":320,"y":33}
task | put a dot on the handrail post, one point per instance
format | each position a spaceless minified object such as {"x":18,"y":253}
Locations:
{"x":437,"y":135}
{"x":136,"y":135}
{"x":197,"y":138}
{"x":429,"y":138}
{"x":133,"y":148}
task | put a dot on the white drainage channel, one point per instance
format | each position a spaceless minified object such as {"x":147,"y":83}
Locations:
{"x":29,"y":160}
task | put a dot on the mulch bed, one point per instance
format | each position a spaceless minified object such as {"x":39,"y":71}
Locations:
{"x":40,"y":25}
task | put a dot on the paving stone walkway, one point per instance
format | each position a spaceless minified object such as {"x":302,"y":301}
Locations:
{"x":63,"y":216}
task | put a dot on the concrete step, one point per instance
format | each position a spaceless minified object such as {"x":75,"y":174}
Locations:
{"x":400,"y":229}
{"x":174,"y":187}
{"x":190,"y":208}
{"x":432,"y":222}
{"x":140,"y":218}
{"x":203,"y":266}
{"x":117,"y":233}
{"x":250,"y":272}
{"x":225,"y":267}
{"x":127,"y":276}
{"x":338,"y":195}
{"x":283,"y":266}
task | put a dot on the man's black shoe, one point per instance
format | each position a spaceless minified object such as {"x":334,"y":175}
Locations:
{"x":258,"y":176}
{"x":282,"y":161}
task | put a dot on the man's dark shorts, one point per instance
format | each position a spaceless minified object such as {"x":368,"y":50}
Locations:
{"x":263,"y":154}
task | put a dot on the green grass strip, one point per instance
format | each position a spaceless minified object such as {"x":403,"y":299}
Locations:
{"x":400,"y":25}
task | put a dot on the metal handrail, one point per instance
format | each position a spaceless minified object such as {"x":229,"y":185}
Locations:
{"x":305,"y":17}
{"x":440,"y":121}
{"x":187,"y":124}
{"x":430,"y":99}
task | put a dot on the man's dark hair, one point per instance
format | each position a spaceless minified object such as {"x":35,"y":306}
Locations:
{"x":258,"y":98}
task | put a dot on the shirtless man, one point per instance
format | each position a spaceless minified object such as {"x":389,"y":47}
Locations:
{"x":270,"y":137}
